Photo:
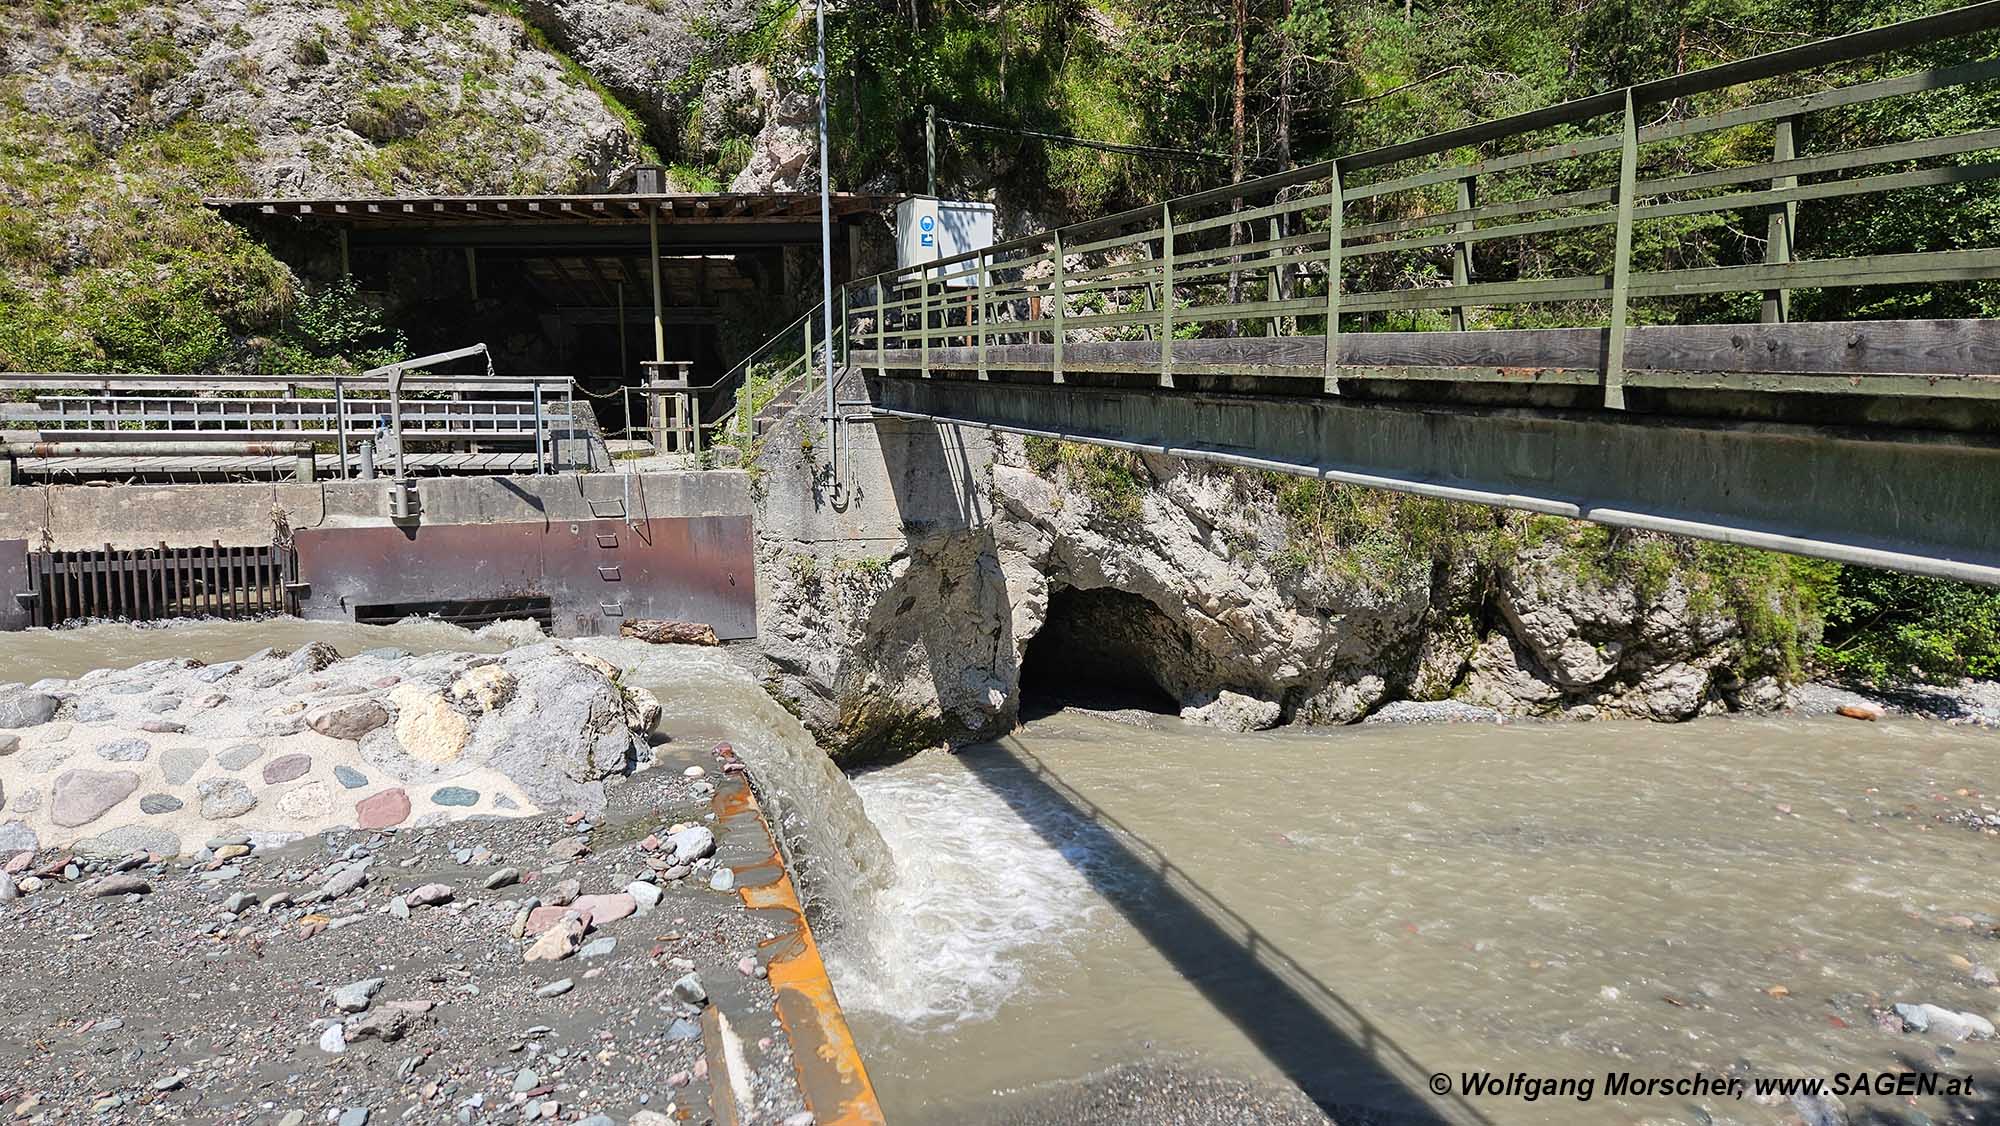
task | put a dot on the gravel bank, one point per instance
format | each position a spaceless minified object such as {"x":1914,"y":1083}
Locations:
{"x":361,"y":977}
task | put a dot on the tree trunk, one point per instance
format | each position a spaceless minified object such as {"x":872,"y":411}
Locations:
{"x":1237,"y":130}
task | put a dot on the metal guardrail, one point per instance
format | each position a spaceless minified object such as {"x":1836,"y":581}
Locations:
{"x":88,"y":414}
{"x":1129,"y":292}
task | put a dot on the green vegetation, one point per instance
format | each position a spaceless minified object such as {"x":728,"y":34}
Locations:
{"x":1883,"y":627}
{"x":1114,"y":481}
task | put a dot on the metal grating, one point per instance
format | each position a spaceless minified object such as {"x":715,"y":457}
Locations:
{"x":468,"y":612}
{"x":152,"y":583}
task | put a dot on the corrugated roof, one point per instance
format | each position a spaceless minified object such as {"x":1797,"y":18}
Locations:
{"x":434,"y":211}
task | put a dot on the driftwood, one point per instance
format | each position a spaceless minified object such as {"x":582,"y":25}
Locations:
{"x":662,"y":632}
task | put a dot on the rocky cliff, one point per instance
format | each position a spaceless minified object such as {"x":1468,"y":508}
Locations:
{"x":1249,"y":600}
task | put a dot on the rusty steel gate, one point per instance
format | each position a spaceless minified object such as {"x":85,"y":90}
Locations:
{"x":151,"y":583}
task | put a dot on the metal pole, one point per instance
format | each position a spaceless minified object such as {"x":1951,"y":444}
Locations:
{"x":826,"y":256}
{"x":538,"y":430}
{"x":1621,"y":260}
{"x":930,"y":147}
{"x":340,"y":423}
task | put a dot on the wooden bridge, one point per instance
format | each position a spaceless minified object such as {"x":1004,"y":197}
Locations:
{"x":1406,"y":317}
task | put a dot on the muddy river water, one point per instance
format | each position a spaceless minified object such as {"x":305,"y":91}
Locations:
{"x":1353,"y":911}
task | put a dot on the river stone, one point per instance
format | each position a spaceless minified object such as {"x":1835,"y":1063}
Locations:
{"x":285,"y":768}
{"x":83,"y":796}
{"x":380,"y":811}
{"x":487,"y":687}
{"x":276,"y":725}
{"x":162,"y":726}
{"x":429,"y":729}
{"x":604,"y":909}
{"x":124,"y":750}
{"x":159,"y":803}
{"x":223,"y":798}
{"x":43,"y":759}
{"x":308,"y":802}
{"x":178,"y":764}
{"x":455,"y":795}
{"x":239,"y":756}
{"x":347,"y":719}
{"x":349,"y":777}
{"x":1234,"y":711}
{"x":691,"y":844}
{"x":9,"y":744}
{"x":28,"y":800}
{"x":15,"y":836}
{"x":27,"y":709}
{"x":127,"y":839}
{"x":213,"y":673}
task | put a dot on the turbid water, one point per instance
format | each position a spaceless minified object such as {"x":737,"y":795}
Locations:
{"x":1350,"y":911}
{"x":1354,"y":910}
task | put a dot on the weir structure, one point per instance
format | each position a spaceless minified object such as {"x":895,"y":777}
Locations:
{"x":1367,"y":319}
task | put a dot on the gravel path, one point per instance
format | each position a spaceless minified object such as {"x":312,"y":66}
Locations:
{"x":193,"y":1001}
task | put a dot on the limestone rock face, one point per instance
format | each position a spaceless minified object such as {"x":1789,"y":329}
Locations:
{"x":1180,"y":579}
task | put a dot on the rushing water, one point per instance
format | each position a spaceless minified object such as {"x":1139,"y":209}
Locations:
{"x":1348,"y":910}
{"x":1352,"y":910}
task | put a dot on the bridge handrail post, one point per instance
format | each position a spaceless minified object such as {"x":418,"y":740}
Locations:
{"x":1781,"y":226}
{"x":981,"y":279}
{"x":1461,"y":258}
{"x":1167,"y":294}
{"x":1060,"y":300}
{"x":881,"y":328}
{"x":1336,"y":209}
{"x":845,"y":330}
{"x":1621,"y":259}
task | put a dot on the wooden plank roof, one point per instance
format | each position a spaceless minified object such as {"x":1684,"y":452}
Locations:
{"x":435,"y":211}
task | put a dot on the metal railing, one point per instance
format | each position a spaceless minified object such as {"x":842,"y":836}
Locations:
{"x":140,"y":415}
{"x":1451,"y":231}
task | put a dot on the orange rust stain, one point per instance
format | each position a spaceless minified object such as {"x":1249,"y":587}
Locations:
{"x":828,"y":1062}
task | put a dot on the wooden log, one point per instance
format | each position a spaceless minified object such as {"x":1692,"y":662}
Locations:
{"x":662,"y":632}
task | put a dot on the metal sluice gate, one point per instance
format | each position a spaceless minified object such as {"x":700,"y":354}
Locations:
{"x":154,"y":583}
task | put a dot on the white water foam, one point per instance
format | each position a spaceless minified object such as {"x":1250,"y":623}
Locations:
{"x":977,"y":887}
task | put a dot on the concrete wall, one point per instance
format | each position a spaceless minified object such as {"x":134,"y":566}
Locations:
{"x":600,"y":548}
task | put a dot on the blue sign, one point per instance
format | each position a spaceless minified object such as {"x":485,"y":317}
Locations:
{"x":926,"y":223}
{"x":927,"y":240}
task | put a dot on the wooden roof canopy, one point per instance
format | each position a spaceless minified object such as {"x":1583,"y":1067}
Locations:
{"x":605,"y":210}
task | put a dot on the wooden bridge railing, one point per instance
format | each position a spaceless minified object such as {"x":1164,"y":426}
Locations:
{"x":1454,"y":231}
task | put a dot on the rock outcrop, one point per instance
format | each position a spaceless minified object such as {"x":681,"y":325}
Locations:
{"x":1194,"y":576}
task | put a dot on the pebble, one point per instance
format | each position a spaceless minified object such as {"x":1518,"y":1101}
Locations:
{"x":429,"y":895}
{"x":692,"y":843}
{"x":526,"y":1080}
{"x":502,"y":878}
{"x":355,"y":996}
{"x":645,"y":894}
{"x":689,"y":989}
{"x":455,"y":795}
{"x":334,"y":1040}
{"x":172,"y":1082}
{"x":399,"y":907}
{"x":348,"y":880}
{"x":349,"y":777}
{"x":556,"y":988}
{"x":354,"y":1116}
{"x":722,"y":879}
{"x":238,"y":902}
{"x":118,"y":885}
{"x":598,"y":947}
